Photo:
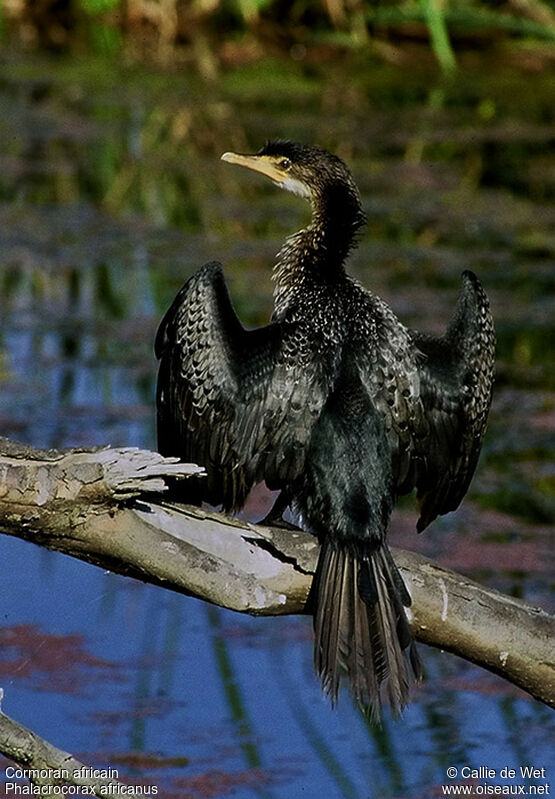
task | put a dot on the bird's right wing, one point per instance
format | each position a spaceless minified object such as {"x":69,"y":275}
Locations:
{"x":224,"y":393}
{"x":456,"y":382}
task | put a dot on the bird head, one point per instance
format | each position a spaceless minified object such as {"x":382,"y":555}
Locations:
{"x":302,"y":169}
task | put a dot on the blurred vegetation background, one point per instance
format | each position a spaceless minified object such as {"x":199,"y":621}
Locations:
{"x":210,"y":33}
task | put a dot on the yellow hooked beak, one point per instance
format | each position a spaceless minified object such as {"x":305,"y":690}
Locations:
{"x":264,"y":164}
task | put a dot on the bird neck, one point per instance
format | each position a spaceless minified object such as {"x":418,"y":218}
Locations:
{"x":316,"y":254}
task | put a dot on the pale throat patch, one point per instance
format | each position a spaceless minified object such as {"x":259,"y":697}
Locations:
{"x":295,"y":187}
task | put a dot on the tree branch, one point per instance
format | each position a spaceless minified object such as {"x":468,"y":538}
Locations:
{"x":107,"y":507}
{"x":49,"y":765}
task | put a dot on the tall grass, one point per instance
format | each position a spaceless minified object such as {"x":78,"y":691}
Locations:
{"x":439,"y":36}
{"x":173,"y":27}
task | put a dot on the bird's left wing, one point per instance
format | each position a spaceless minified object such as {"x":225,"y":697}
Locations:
{"x":224,"y":392}
{"x":433,"y":394}
{"x":456,"y":378}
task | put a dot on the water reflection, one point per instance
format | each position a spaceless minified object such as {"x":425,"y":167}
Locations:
{"x":110,"y":199}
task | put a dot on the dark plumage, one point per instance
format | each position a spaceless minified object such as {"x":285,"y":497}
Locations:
{"x":337,"y":404}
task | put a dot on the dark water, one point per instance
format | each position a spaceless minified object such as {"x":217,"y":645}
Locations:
{"x":111,"y":194}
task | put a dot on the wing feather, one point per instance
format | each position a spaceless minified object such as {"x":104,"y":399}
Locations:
{"x":390,"y":375}
{"x":456,"y":375}
{"x":195,"y":388}
{"x":224,"y":393}
{"x":434,"y":395}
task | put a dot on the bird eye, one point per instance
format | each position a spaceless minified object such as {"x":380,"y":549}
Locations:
{"x":285,"y":163}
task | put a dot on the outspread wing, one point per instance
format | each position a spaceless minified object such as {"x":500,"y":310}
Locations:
{"x":433,"y":394}
{"x":224,"y":393}
{"x":456,"y":381}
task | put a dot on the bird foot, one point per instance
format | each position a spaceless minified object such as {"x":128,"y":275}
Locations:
{"x":272,"y":520}
{"x":275,"y":517}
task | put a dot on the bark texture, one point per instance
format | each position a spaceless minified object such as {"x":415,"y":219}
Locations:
{"x":106,"y":506}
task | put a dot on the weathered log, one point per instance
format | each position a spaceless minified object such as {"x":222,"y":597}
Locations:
{"x":107,"y":507}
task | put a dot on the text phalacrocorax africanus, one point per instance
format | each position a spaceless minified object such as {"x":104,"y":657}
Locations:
{"x":337,"y":404}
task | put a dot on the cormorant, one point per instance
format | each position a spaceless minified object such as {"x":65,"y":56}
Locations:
{"x":337,"y":404}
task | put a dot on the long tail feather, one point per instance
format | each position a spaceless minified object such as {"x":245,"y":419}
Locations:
{"x":361,"y":628}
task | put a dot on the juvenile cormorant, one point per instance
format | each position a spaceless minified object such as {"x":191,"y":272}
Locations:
{"x":337,"y":404}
